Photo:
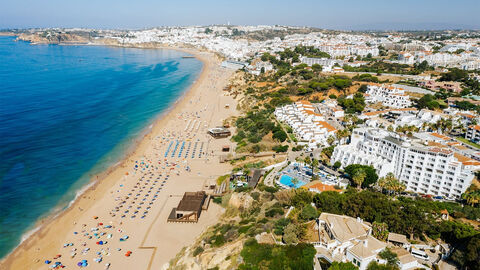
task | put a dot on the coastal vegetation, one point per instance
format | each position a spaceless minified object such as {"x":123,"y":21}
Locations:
{"x":352,"y":105}
{"x":253,"y":224}
{"x":270,"y":256}
{"x":261,"y":223}
{"x":368,"y":174}
{"x":381,"y":202}
{"x":380,"y":67}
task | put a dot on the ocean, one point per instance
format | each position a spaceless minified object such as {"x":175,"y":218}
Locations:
{"x":68,"y":112}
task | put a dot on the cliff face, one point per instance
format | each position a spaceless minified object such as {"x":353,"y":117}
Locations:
{"x":225,"y":257}
{"x":210,"y":252}
{"x":53,"y":38}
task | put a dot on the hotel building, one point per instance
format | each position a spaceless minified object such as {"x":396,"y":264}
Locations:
{"x":424,"y":166}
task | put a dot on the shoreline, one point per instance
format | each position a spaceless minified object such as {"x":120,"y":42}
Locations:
{"x":96,"y":178}
{"x":137,"y":147}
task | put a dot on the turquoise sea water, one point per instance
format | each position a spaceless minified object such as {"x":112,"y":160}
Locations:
{"x":67,"y":112}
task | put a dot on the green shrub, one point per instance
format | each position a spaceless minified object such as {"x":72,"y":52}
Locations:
{"x":280,"y":148}
{"x":197,"y":251}
{"x":218,"y":240}
{"x":308,"y":213}
{"x":299,"y":257}
{"x":272,"y":212}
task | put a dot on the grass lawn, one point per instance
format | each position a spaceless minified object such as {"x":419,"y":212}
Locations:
{"x":468,"y":142}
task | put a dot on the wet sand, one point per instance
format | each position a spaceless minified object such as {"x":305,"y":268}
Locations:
{"x":125,"y":211}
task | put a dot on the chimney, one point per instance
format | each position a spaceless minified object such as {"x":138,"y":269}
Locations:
{"x":365,"y":243}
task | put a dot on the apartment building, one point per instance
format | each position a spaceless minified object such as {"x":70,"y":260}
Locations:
{"x":343,"y":49}
{"x":419,"y":119}
{"x":330,"y":109}
{"x":406,"y":58}
{"x":388,"y":95}
{"x":473,"y":133}
{"x":424,"y":166}
{"x":308,"y":125}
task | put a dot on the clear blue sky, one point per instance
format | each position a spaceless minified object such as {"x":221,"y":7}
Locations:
{"x":332,"y":14}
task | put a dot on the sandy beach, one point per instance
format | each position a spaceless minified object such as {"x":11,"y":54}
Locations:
{"x":121,"y":221}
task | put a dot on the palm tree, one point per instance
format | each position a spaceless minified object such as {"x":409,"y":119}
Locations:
{"x":343,"y":133}
{"x":391,"y":184}
{"x":400,"y":187}
{"x":424,"y":126}
{"x":448,"y":125}
{"x":444,"y":125}
{"x":472,"y":197}
{"x":331,"y":139}
{"x":382,"y":182}
{"x":359,"y":177}
{"x":308,"y":160}
{"x":315,"y":163}
{"x":295,"y":181}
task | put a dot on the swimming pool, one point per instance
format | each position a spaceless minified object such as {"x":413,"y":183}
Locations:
{"x":287,"y":181}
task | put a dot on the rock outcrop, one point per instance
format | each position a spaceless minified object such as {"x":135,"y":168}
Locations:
{"x":53,"y":38}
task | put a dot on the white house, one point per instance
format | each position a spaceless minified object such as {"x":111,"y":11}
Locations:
{"x":388,"y":95}
{"x":348,"y":239}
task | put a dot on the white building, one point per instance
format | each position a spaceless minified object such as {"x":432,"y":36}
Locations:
{"x":257,"y":68}
{"x":308,"y":125}
{"x":406,"y":58}
{"x":473,"y":133}
{"x":233,"y":64}
{"x":327,"y":64}
{"x":348,"y":239}
{"x":388,"y":95}
{"x":423,"y":166}
{"x":330,"y":108}
{"x":418,"y":120}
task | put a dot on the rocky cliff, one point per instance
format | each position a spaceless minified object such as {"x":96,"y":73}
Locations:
{"x":50,"y":37}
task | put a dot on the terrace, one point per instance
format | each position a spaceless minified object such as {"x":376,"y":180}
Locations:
{"x":297,"y":175}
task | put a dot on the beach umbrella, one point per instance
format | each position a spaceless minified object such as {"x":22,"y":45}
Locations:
{"x":48,"y":262}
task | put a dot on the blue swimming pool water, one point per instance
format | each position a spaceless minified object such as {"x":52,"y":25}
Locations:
{"x":287,"y":181}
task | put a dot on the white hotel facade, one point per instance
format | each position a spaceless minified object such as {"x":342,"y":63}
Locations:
{"x":424,"y":167}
